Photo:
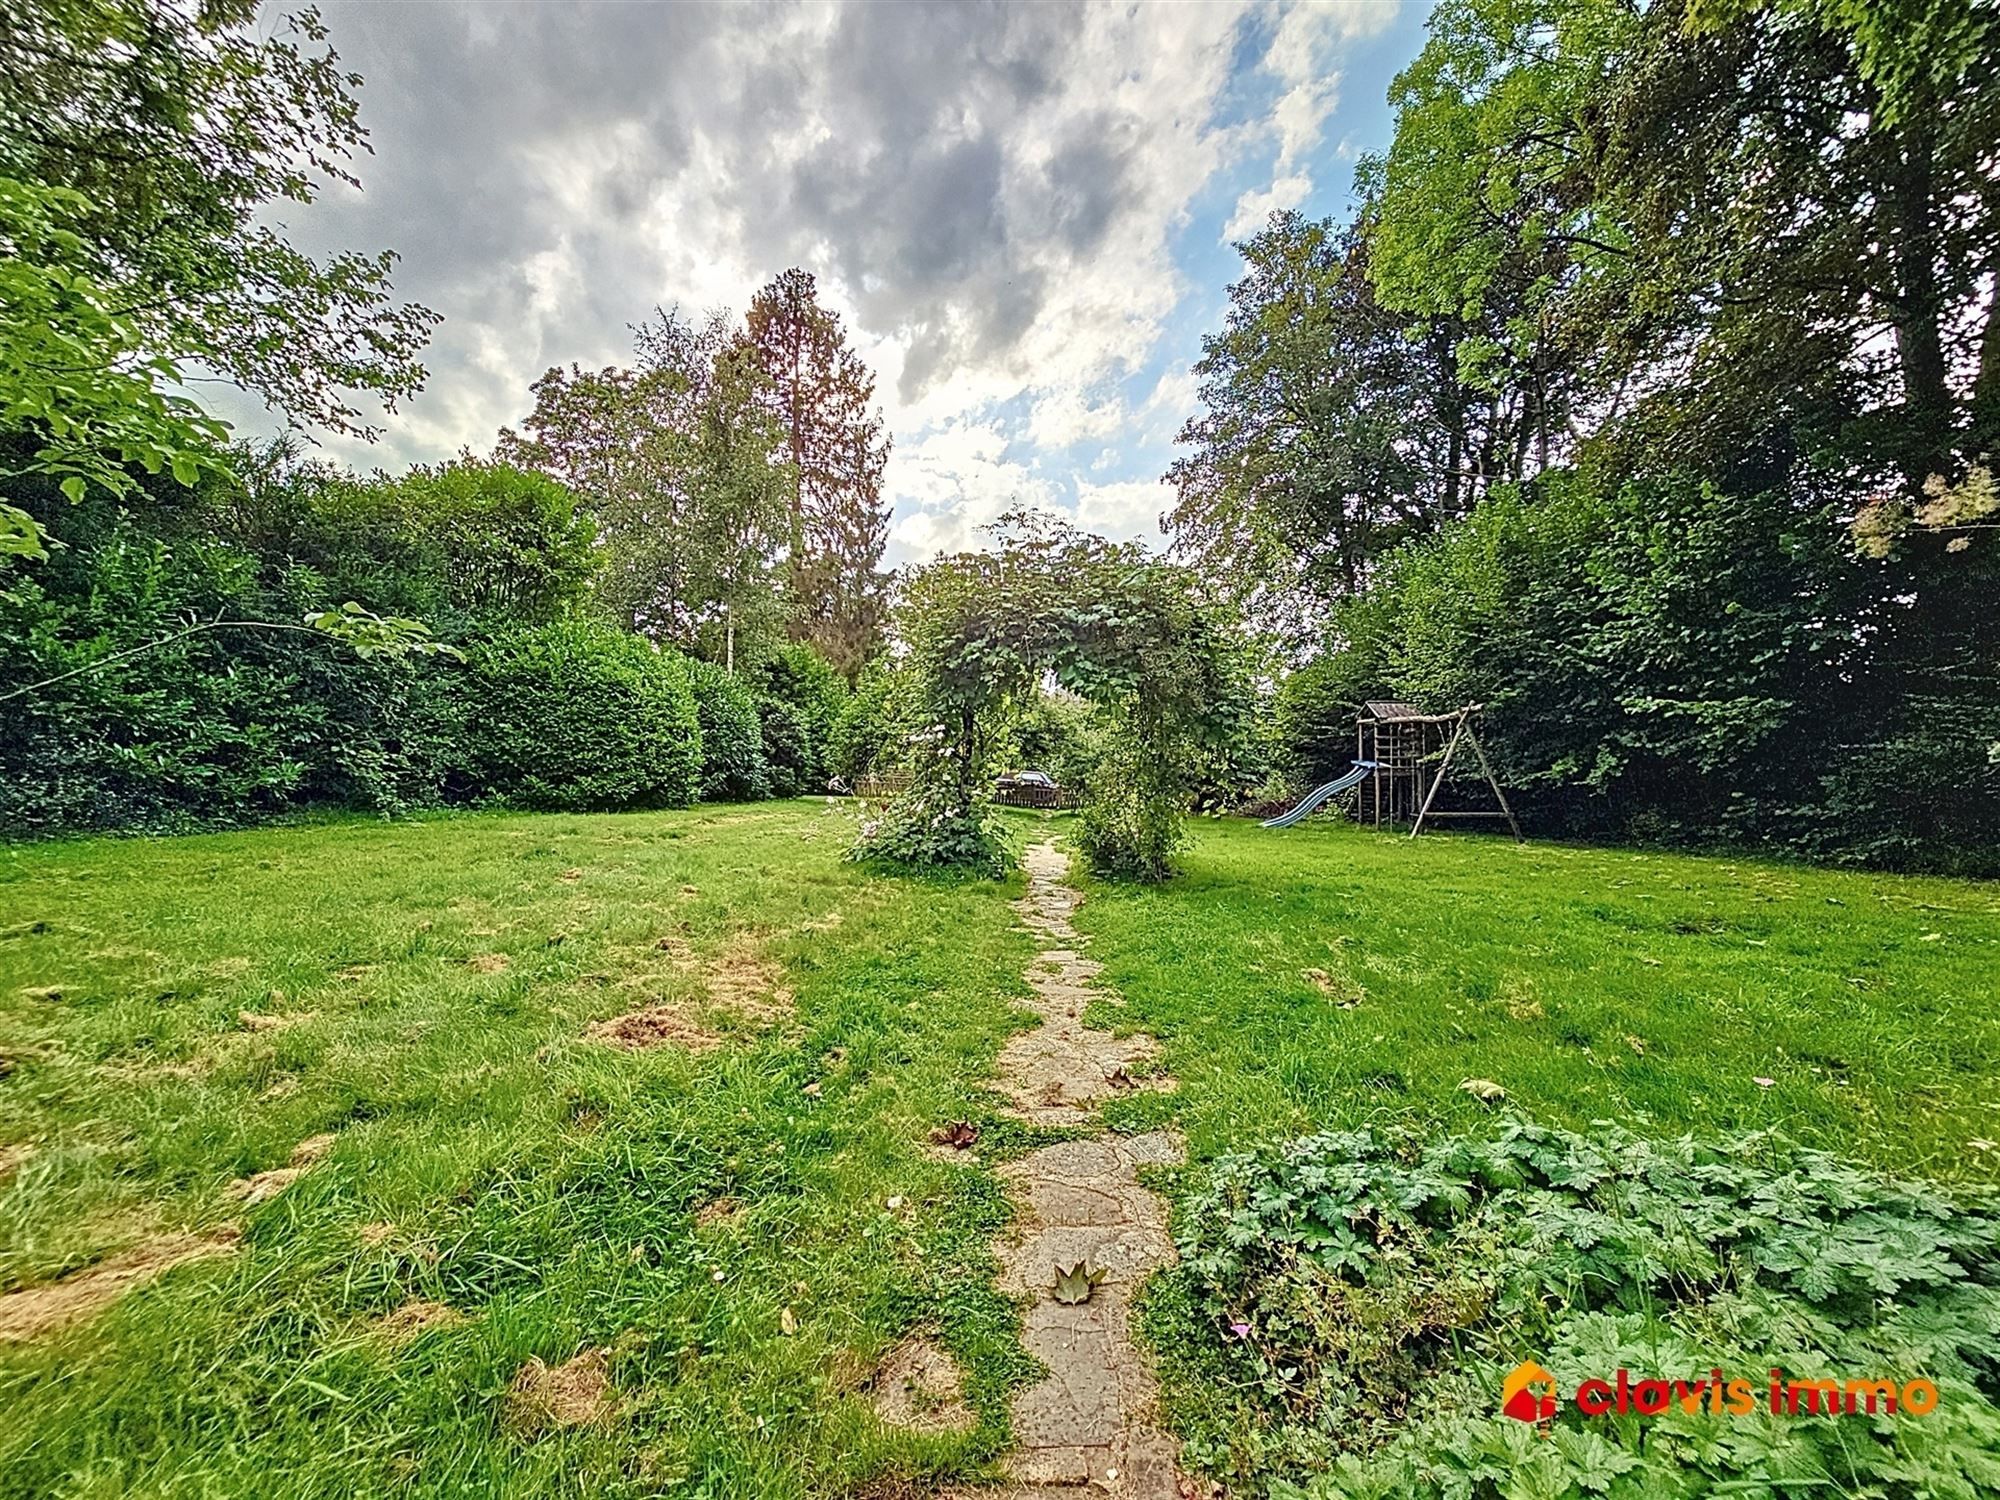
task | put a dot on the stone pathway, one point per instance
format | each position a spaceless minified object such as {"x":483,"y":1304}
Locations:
{"x":1090,"y":1426}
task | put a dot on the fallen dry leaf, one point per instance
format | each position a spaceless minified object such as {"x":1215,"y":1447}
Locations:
{"x":959,"y":1134}
{"x":1077,"y":1283}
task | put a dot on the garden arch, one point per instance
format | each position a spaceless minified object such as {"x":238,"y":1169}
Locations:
{"x":1122,"y":629}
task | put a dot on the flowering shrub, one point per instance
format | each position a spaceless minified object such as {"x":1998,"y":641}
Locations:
{"x":904,"y":833}
{"x":938,"y":823}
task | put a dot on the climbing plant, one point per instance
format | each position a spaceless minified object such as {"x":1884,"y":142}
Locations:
{"x":987,"y":631}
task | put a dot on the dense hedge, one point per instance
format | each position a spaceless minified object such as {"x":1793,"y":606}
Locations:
{"x":259,"y":718}
{"x":220,"y":726}
{"x":581,"y":716}
{"x":799,"y":698}
{"x":1669,"y":661}
{"x":732,"y":739}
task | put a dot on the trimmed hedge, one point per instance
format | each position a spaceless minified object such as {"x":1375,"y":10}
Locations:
{"x":579,"y":716}
{"x":799,"y":698}
{"x":732,"y":740}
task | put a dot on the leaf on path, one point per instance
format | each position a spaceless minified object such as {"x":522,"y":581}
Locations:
{"x":1076,"y":1284}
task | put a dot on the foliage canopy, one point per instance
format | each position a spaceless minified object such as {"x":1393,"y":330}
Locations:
{"x":1108,"y":622}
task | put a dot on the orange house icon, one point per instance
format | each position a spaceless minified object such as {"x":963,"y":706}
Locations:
{"x":1528,"y":1394}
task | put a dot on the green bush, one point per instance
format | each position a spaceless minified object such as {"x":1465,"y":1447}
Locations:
{"x":799,"y":697}
{"x":582,"y":716}
{"x":1346,"y":1306}
{"x":1672,"y":661}
{"x":460,"y":545}
{"x":932,"y":827}
{"x":214,"y":728}
{"x":732,"y":740}
{"x":1061,"y":734}
{"x":1129,"y":826}
{"x":259,"y":718}
{"x":872,"y":728}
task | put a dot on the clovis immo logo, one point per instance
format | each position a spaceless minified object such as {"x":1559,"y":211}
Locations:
{"x":1529,"y":1394}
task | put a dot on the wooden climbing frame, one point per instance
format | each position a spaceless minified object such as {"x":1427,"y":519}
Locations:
{"x":1402,"y":742}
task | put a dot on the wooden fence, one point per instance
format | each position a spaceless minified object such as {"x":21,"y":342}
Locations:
{"x":1056,"y":798}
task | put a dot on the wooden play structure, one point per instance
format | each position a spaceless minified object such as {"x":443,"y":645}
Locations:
{"x":1411,"y":753}
{"x":1402,"y":758}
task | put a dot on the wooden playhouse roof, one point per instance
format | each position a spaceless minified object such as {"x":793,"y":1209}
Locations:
{"x":1384,"y":709}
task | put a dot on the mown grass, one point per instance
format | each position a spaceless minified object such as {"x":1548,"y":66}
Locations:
{"x":1329,"y":977}
{"x":561,"y":1195}
{"x":1654,"y":989}
{"x":558,"y":1193}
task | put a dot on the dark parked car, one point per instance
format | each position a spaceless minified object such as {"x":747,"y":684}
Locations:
{"x":1014,"y":779}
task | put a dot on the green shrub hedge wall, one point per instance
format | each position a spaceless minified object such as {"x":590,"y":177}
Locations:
{"x":578,"y":716}
{"x":732,"y":739}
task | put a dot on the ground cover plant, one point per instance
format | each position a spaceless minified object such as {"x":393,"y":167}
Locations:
{"x":1375,"y":1290}
{"x":1335,"y":979}
{"x":527,"y":1252}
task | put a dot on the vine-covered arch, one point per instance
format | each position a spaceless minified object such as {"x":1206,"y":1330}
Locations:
{"x":1131,"y":633}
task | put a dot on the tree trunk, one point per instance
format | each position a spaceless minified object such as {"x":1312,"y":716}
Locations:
{"x":1985,"y":436}
{"x":1912,"y":239}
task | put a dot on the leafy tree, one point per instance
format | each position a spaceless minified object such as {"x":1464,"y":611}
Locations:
{"x":1329,"y":434}
{"x":178,"y":124}
{"x":873,"y":728}
{"x":1480,"y":221}
{"x":674,"y":462}
{"x":820,"y":393}
{"x":454,"y":543}
{"x":737,"y":526}
{"x":799,"y":698}
{"x":1716,"y":281}
{"x":76,"y":378}
{"x":1840,"y":307}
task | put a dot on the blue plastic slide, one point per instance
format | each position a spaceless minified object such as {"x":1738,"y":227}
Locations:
{"x":1333,"y":788}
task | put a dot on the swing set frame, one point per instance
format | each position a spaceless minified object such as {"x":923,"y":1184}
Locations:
{"x":1412,"y":752}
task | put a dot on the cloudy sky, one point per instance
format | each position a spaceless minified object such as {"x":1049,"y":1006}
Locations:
{"x":1023,"y":212}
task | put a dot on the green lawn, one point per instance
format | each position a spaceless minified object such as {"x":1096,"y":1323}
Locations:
{"x":1652,"y":989}
{"x":435,"y":981}
{"x":560,"y":1194}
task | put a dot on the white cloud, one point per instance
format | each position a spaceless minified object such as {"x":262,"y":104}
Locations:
{"x":1254,"y":208}
{"x":989,"y":195}
{"x":953,"y":481}
{"x":1066,"y":416}
{"x":1308,"y":36}
{"x":1124,"y":510}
